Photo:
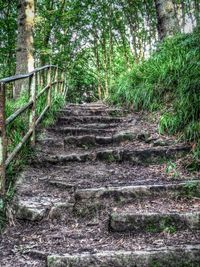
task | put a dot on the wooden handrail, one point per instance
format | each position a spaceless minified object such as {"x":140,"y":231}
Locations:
{"x":59,"y":87}
{"x":24,"y":76}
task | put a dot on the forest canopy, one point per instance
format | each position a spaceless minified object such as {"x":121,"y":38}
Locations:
{"x":94,"y":41}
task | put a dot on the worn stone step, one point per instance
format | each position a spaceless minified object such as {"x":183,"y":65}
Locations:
{"x":91,"y":112}
{"x":154,"y":222}
{"x":93,"y":140}
{"x":173,"y":256}
{"x":91,"y":104}
{"x":87,"y":108}
{"x":157,"y":215}
{"x":84,"y":201}
{"x":91,"y":107}
{"x":81,"y":130}
{"x":125,"y":194}
{"x":90,"y":140}
{"x":142,"y":156}
{"x":85,"y":119}
{"x":96,"y":104}
{"x":50,"y":142}
{"x":88,"y":201}
{"x":38,"y":208}
{"x":95,"y":125}
{"x":88,"y":175}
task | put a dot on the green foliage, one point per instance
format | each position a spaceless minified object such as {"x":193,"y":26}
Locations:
{"x":18,"y":128}
{"x":190,"y":190}
{"x":8,"y":25}
{"x":57,"y":103}
{"x":165,"y":225}
{"x":169,"y":80}
{"x":171,"y":169}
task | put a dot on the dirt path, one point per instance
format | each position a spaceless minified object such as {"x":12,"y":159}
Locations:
{"x":105,"y":189}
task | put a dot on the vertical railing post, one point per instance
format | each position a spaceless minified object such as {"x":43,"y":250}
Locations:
{"x":53,"y":74}
{"x":62,"y":84}
{"x":42,"y":77}
{"x":56,"y":80}
{"x":65,"y":86}
{"x":59,"y":79}
{"x":32,"y":114}
{"x":3,"y":141}
{"x":49,"y":89}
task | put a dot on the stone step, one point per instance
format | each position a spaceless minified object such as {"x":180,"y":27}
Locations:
{"x":102,"y":197}
{"x":91,"y":104}
{"x":93,"y":140}
{"x":95,"y":125}
{"x":140,"y":157}
{"x":81,"y":130}
{"x":84,"y":201}
{"x":154,"y":222}
{"x":37,"y":208}
{"x":173,"y":256}
{"x":88,"y":175}
{"x":157,"y":215}
{"x":87,"y":108}
{"x":129,"y":193}
{"x":87,"y":105}
{"x":91,"y":107}
{"x":86,"y":119}
{"x":91,"y":112}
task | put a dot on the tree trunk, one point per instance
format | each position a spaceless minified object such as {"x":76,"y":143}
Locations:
{"x":96,"y":54}
{"x":197,"y":11}
{"x":24,"y":51}
{"x":167,"y":23}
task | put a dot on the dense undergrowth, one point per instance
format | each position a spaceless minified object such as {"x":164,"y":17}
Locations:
{"x":15,"y":132}
{"x":169,"y":81}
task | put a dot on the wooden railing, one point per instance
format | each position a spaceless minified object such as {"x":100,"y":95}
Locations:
{"x":47,"y":78}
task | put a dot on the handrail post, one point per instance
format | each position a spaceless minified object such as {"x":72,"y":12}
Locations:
{"x":62,"y":84}
{"x":3,"y":141}
{"x":49,"y":89}
{"x":56,"y":80}
{"x":32,"y":114}
{"x":65,"y":87}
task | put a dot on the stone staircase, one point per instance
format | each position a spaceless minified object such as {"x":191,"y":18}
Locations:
{"x":104,"y":190}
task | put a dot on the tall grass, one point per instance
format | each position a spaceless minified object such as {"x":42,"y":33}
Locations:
{"x":168,"y":81}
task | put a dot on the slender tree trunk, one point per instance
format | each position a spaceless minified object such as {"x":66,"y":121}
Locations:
{"x":167,"y":23}
{"x":96,"y":53}
{"x":183,"y":13}
{"x":197,"y":11}
{"x":106,"y":91}
{"x":24,"y":51}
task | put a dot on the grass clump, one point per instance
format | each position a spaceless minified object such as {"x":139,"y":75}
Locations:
{"x":190,"y":190}
{"x":168,"y":81}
